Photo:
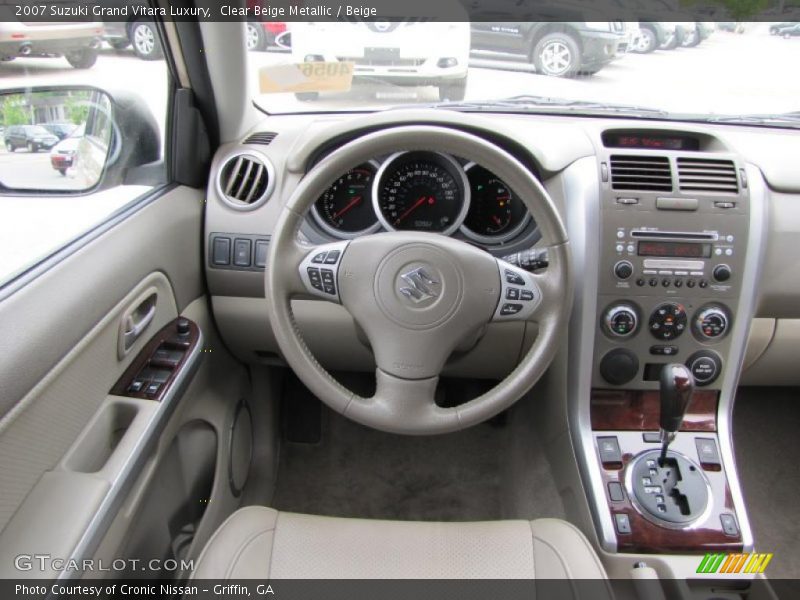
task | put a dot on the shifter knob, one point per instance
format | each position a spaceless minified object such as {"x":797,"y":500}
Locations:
{"x":677,"y":385}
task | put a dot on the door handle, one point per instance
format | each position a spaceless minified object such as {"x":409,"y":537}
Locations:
{"x":136,"y":321}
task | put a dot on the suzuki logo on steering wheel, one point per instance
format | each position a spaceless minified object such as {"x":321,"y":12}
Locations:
{"x":420,"y":285}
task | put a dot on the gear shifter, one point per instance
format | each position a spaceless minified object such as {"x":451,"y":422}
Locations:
{"x":676,"y":387}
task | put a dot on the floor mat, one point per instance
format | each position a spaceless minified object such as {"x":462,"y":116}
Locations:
{"x":767,"y":444}
{"x":355,"y":471}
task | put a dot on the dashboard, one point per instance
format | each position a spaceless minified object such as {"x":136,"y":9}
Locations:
{"x":422,"y":191}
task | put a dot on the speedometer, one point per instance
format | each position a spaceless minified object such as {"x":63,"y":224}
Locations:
{"x":345,"y":210}
{"x":421,"y":191}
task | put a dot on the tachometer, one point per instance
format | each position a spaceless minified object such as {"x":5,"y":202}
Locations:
{"x":421,"y":191}
{"x":495,"y":213}
{"x":345,"y":210}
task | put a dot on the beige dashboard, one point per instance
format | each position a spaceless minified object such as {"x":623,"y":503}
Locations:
{"x":551,"y":146}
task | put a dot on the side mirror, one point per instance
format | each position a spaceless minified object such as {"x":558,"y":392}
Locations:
{"x":73,"y":139}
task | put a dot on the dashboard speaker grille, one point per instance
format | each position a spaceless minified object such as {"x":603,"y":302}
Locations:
{"x":244,"y":181}
{"x":263,"y":138}
{"x":707,"y":175}
{"x":644,"y":173}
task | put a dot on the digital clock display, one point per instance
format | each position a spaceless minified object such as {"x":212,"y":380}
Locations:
{"x":674,"y":249}
{"x":649,"y":141}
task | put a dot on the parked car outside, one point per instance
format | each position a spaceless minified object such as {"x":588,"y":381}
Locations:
{"x":403,"y":53}
{"x":788,"y":32}
{"x":61,"y":130}
{"x":32,"y":137}
{"x":77,"y":42}
{"x":140,"y":33}
{"x":653,"y":34}
{"x":558,"y":49}
{"x":775,"y":28}
{"x":62,"y":155}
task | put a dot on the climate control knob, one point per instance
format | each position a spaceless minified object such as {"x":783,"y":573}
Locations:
{"x":621,"y":320}
{"x":711,"y":322}
{"x":623,"y":269}
{"x":668,"y":321}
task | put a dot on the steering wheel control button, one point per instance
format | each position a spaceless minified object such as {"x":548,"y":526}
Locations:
{"x":242,"y":252}
{"x":319,"y":270}
{"x":621,"y":320}
{"x":510,"y":308}
{"x":705,"y":366}
{"x":315,"y":278}
{"x":514,"y":278}
{"x":516,"y":284}
{"x":711,"y":322}
{"x":668,"y":321}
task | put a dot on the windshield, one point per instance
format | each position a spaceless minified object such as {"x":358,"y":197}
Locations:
{"x":672,"y":69}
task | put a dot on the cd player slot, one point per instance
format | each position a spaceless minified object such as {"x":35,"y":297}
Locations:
{"x":674,"y":235}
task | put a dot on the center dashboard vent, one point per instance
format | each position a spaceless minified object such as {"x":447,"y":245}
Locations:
{"x":707,"y":175}
{"x":641,"y":172}
{"x":262,"y":138}
{"x":246,"y":181}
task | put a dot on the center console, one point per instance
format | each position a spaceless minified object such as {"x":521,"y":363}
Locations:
{"x":670,"y":234}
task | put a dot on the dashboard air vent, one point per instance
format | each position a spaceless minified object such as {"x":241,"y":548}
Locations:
{"x":245,"y":181}
{"x":263,"y":138}
{"x":707,"y":175}
{"x":643,"y":173}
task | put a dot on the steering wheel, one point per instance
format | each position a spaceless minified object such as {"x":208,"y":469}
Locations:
{"x":417,"y":295}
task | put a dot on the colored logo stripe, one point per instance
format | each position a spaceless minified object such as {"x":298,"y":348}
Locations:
{"x":734,"y":563}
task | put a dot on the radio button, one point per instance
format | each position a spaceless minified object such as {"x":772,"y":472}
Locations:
{"x":703,"y":283}
{"x":696,"y":273}
{"x":681,"y":273}
{"x":623,"y":269}
{"x":665,"y":282}
{"x":678,"y":283}
{"x":722,"y":273}
{"x":640,"y":282}
{"x":691,"y":283}
{"x":653,"y":282}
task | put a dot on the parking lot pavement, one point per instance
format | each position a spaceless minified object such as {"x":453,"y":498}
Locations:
{"x":23,"y":169}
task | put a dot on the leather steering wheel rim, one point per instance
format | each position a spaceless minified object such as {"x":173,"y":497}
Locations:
{"x":400,"y":404}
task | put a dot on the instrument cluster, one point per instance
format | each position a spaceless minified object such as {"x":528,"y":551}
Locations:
{"x":422,"y":191}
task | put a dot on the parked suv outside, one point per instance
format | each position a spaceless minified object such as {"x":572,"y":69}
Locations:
{"x":32,"y":137}
{"x":77,"y":42}
{"x":139,"y":33}
{"x":558,"y":49}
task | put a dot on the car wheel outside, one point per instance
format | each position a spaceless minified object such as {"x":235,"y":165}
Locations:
{"x":670,"y":43}
{"x":32,"y":148}
{"x":453,"y":91}
{"x":83,"y":58}
{"x":646,"y":42}
{"x":63,"y":172}
{"x":556,"y":55}
{"x":10,"y":147}
{"x":144,"y":38}
{"x":256,"y":37}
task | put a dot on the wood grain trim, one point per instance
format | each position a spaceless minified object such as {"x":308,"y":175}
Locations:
{"x":167,"y":335}
{"x":638,"y":410}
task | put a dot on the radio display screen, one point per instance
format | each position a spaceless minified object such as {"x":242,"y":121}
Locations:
{"x":674,"y":249}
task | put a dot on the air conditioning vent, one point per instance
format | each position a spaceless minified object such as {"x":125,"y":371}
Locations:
{"x":643,"y":173}
{"x":263,"y":138}
{"x":707,"y":175}
{"x":246,"y":181}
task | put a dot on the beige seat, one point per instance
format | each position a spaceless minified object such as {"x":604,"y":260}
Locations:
{"x":258,"y":542}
